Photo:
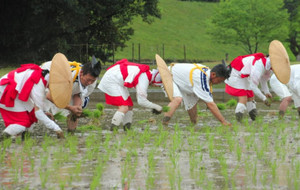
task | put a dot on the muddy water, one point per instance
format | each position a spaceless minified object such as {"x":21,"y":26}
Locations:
{"x":264,"y":154}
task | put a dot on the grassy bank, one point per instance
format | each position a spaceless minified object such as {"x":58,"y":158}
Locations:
{"x":183,"y":23}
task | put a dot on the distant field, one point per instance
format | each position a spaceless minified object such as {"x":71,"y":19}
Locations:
{"x":183,"y":23}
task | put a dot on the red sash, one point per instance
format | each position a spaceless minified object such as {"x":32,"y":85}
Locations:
{"x":10,"y":92}
{"x":124,"y":63}
{"x":237,"y":63}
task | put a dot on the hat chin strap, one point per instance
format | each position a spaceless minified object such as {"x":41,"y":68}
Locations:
{"x":268,"y":64}
{"x":156,"y":79}
{"x":47,"y":78}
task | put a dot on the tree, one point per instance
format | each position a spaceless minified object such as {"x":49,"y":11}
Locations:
{"x":34,"y":30}
{"x":293,"y":7}
{"x":248,"y":23}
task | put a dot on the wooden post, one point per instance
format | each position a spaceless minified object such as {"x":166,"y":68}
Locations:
{"x":132,"y":52}
{"x":184,"y":53}
{"x":87,"y":53}
{"x":163,"y":51}
{"x":139,"y":52}
{"x":113,"y":47}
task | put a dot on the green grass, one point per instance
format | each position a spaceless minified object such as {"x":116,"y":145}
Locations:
{"x":182,"y":23}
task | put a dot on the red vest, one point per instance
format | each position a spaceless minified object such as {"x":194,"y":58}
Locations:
{"x":124,"y":63}
{"x":10,"y":93}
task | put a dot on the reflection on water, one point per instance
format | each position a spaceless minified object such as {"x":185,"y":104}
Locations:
{"x":252,"y":155}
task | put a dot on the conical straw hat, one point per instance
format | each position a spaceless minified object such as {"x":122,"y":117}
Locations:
{"x":60,"y":81}
{"x":165,"y":75}
{"x":280,"y":61}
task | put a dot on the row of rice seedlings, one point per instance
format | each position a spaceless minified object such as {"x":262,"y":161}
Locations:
{"x":151,"y":168}
{"x":259,"y":137}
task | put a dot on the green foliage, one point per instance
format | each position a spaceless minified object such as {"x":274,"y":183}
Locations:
{"x":182,"y":23}
{"x":84,"y":128}
{"x":221,"y":106}
{"x":100,"y":106}
{"x":249,"y":23}
{"x":87,"y":113}
{"x":97,"y":113}
{"x":293,"y":7}
{"x":166,"y":108}
{"x":39,"y":28}
{"x":59,"y":117}
{"x":276,"y":99}
{"x":231,"y":103}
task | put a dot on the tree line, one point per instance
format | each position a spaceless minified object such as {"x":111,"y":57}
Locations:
{"x":34,"y":30}
{"x":37,"y":29}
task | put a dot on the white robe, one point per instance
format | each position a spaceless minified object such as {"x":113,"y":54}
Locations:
{"x":76,"y":89}
{"x":292,"y":88}
{"x":258,"y":74}
{"x":112,"y":83}
{"x":183,"y":87}
{"x":37,"y":95}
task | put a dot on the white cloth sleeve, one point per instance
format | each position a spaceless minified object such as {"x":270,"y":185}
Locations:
{"x":257,"y":72}
{"x":38,"y":94}
{"x":41,"y":116}
{"x":141,"y":93}
{"x":257,"y":92}
{"x":264,"y":82}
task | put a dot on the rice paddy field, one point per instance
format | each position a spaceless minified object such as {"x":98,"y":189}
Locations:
{"x":264,"y":154}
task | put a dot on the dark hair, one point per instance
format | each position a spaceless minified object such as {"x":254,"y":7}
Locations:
{"x":93,"y":70}
{"x":45,"y":72}
{"x":222,"y":70}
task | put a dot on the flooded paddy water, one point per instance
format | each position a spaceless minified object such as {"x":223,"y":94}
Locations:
{"x":264,"y":154}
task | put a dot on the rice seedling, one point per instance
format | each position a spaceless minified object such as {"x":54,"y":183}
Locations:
{"x":213,"y":157}
{"x":87,"y":113}
{"x":151,"y":170}
{"x":211,"y":146}
{"x":221,"y":106}
{"x":59,"y":117}
{"x":97,"y":175}
{"x":273,"y":169}
{"x":224,"y":169}
{"x":254,"y":173}
{"x":238,"y":152}
{"x":231,"y":103}
{"x":165,"y":108}
{"x":100,"y":107}
{"x":276,"y":99}
{"x":44,"y":176}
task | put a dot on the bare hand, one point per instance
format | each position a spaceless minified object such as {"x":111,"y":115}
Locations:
{"x":154,"y":111}
{"x":268,"y":102}
{"x":76,"y":110}
{"x":269,"y":96}
{"x":50,"y":115}
{"x":226,"y":123}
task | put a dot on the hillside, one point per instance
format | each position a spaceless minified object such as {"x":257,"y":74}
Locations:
{"x":182,"y":23}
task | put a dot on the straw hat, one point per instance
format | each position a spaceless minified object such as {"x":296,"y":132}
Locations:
{"x":60,"y":81}
{"x":280,"y":61}
{"x":165,"y":75}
